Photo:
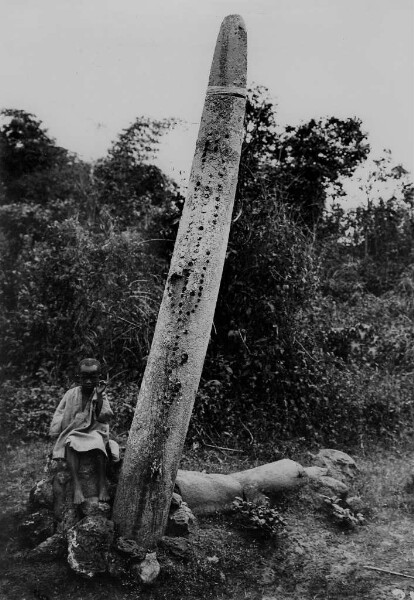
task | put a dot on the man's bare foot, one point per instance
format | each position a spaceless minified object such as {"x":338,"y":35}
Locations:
{"x":78,"y":496}
{"x":103,"y":494}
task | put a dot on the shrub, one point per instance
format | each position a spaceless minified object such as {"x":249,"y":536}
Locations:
{"x":261,"y":519}
{"x":79,"y":293}
{"x":28,"y":409}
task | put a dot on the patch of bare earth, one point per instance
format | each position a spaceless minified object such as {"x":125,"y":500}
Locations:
{"x":312,"y":559}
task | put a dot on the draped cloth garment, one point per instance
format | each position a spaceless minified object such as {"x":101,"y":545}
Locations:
{"x":81,"y":429}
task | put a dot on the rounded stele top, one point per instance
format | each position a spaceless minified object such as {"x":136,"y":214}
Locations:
{"x":229,"y":66}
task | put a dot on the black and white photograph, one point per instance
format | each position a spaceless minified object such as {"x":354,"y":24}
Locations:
{"x":207,"y":299}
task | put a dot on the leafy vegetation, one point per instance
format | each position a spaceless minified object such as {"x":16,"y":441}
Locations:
{"x":313,"y":333}
{"x":259,"y":518}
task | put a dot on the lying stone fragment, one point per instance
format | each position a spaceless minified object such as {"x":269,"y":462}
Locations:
{"x":274,"y":478}
{"x":207,"y":493}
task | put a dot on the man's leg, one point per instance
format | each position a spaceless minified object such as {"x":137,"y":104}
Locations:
{"x":102,"y":488}
{"x":72,"y":459}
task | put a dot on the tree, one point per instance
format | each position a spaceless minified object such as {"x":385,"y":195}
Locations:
{"x":135,"y":192}
{"x":31,"y":163}
{"x":299,"y":166}
{"x":258,"y":364}
{"x":373,"y":241}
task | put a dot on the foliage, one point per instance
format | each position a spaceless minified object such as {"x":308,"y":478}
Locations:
{"x":133,"y":191}
{"x":80,"y":294}
{"x":74,"y":278}
{"x":341,"y":514}
{"x":298,"y":165}
{"x":371,"y":245}
{"x":259,"y":518}
{"x":33,"y":169}
{"x":270,"y":272}
{"x":28,"y":405}
{"x":28,"y":409}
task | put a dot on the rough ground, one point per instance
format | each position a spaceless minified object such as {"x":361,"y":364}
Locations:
{"x":314,"y":559}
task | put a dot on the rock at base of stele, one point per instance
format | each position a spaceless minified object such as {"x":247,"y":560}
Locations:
{"x":89,"y":543}
{"x":148,"y":570}
{"x":181,"y":521}
{"x":130,"y":549}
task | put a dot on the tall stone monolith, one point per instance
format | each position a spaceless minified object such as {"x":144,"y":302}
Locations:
{"x":175,"y":363}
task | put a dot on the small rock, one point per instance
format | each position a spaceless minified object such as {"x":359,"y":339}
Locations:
{"x":37,"y":527}
{"x":148,"y":570}
{"x":176,"y":500}
{"x":177,"y":546}
{"x":130,"y":549}
{"x":180,"y":522}
{"x":88,"y":545}
{"x":70,"y":517}
{"x":41,"y":494}
{"x":355,"y":503}
{"x":92,"y":506}
{"x":51,"y":549}
{"x":340,"y":465}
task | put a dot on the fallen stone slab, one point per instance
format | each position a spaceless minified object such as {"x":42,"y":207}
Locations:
{"x":273,"y":478}
{"x":206,"y":493}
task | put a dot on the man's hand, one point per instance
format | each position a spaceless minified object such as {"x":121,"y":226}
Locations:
{"x":100,"y":388}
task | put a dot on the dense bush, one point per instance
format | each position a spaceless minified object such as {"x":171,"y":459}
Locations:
{"x":80,"y":293}
{"x":27,"y":406}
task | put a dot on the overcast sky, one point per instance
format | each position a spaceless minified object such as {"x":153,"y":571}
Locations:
{"x":88,"y":68}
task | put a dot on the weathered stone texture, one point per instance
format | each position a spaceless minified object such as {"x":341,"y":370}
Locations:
{"x":89,"y":542}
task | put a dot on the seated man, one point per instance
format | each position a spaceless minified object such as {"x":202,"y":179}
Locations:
{"x":80,"y":425}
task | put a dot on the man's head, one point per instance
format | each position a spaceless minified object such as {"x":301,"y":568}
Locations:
{"x":89,"y":373}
